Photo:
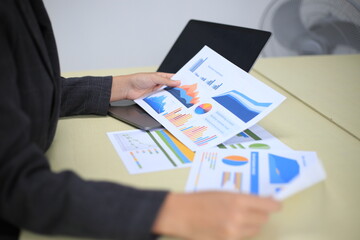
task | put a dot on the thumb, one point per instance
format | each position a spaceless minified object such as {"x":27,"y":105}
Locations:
{"x":173,"y":83}
{"x":165,"y":79}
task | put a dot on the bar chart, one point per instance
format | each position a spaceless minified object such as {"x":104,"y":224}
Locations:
{"x":177,"y":118}
{"x":196,"y":134}
{"x":197,"y":64}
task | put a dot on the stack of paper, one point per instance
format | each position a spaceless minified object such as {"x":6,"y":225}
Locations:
{"x":212,"y":115}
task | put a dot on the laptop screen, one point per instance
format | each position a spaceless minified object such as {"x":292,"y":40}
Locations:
{"x":239,"y":45}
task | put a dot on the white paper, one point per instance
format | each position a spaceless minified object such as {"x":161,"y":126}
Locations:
{"x":254,"y":138}
{"x":149,"y":151}
{"x":276,"y":173}
{"x":215,"y":101}
{"x":157,"y":150}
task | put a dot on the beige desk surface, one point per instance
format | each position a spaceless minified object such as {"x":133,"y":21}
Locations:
{"x":329,"y":84}
{"x":326,"y":211}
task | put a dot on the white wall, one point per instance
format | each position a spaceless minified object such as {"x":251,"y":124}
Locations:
{"x":103,"y":34}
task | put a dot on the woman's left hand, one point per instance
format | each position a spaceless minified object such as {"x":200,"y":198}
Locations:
{"x":136,"y":85}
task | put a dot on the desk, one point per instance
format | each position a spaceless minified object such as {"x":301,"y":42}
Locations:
{"x":326,"y":211}
{"x":330,"y":85}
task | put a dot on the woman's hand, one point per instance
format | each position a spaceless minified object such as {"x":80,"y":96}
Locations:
{"x":213,"y":215}
{"x":136,"y":85}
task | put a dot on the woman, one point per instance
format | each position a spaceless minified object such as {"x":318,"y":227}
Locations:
{"x":32,"y":98}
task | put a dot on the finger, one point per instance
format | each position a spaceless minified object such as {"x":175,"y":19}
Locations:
{"x":167,"y":81}
{"x":173,"y":83}
{"x":257,"y":218}
{"x":262,"y":204}
{"x":165,"y":75}
{"x":250,"y":231}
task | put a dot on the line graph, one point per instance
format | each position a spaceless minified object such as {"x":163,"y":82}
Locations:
{"x":156,"y":102}
{"x":186,"y":94}
{"x":241,"y":105}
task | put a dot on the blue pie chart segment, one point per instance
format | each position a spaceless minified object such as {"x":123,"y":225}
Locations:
{"x":203,"y":108}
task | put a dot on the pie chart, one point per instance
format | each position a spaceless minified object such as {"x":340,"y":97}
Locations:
{"x":235,"y":160}
{"x":203,"y":108}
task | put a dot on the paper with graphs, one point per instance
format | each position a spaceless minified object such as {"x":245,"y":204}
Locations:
{"x":215,"y":101}
{"x":279,"y":173}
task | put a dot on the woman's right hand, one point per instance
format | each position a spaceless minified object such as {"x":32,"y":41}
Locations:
{"x":213,"y":215}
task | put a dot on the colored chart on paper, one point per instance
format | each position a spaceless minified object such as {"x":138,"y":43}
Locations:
{"x":211,"y":159}
{"x":157,"y":103}
{"x":282,"y":170}
{"x":139,"y":145}
{"x":259,"y":146}
{"x":148,"y":151}
{"x":212,"y":83}
{"x":231,"y":180}
{"x":254,"y":138}
{"x":136,"y":160}
{"x":234,"y":146}
{"x":186,"y":94}
{"x":241,"y":105}
{"x":203,"y":108}
{"x":216,"y":86}
{"x":234,"y":142}
{"x":197,"y":64}
{"x":184,"y":154}
{"x":235,"y":160}
{"x":196,"y":134}
{"x":135,"y":141}
{"x":177,"y":118}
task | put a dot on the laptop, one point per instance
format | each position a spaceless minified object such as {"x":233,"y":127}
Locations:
{"x":239,"y":45}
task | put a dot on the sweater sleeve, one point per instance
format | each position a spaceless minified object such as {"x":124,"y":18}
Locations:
{"x":33,"y":197}
{"x":85,"y":95}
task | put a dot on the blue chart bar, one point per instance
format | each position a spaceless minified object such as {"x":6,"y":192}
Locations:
{"x":204,"y":140}
{"x":210,"y":82}
{"x":254,"y":178}
{"x":243,"y":134}
{"x":197,"y":64}
{"x":217,"y":86}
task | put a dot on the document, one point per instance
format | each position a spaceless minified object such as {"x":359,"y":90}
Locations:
{"x":158,"y":150}
{"x":215,"y":101}
{"x":277,"y":173}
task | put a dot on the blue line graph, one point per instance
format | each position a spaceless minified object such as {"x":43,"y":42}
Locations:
{"x":186,"y":94}
{"x":157,"y":103}
{"x":241,"y":105}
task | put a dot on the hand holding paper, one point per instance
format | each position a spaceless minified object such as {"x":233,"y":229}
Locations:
{"x":215,"y":101}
